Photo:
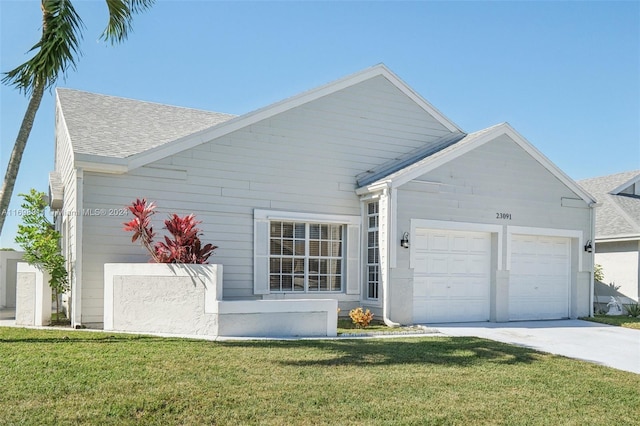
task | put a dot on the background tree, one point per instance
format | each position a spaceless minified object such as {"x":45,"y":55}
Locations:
{"x":57,"y":50}
{"x":41,"y":243}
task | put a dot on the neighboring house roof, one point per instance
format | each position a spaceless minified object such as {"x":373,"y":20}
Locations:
{"x":453,"y":146}
{"x":618,"y":217}
{"x":115,"y":127}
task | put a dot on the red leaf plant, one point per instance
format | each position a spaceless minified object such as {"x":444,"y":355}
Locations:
{"x":184,"y":246}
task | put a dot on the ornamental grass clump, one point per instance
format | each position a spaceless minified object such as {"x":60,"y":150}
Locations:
{"x":633,"y":310}
{"x":184,"y":246}
{"x":361,"y":318}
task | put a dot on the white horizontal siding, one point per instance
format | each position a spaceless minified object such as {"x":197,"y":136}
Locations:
{"x":302,"y":160}
{"x":497,"y":177}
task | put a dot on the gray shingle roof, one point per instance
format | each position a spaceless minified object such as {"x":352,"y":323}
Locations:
{"x":619,"y":214}
{"x":116,"y":127}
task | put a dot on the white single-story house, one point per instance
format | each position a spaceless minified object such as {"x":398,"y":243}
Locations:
{"x":617,"y":241}
{"x":359,"y":191}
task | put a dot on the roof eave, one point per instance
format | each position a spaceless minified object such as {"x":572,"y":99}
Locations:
{"x":617,"y":238}
{"x":100,"y":164}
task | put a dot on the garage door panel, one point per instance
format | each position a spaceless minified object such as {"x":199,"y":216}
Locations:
{"x":459,"y":243}
{"x":457,"y":265}
{"x":478,"y":245}
{"x":451,"y":276}
{"x":539,"y":278}
{"x":437,"y":265}
{"x":478,"y":265}
{"x":438,"y":288}
{"x":438,"y":242}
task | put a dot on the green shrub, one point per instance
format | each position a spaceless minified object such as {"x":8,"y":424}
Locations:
{"x":633,"y":309}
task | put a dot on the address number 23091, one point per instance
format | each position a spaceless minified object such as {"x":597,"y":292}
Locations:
{"x":506,"y":216}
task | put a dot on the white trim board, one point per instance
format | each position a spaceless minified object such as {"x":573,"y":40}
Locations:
{"x":261,"y":214}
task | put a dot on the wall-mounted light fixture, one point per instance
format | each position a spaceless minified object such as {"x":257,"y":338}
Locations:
{"x":404,"y":242}
{"x":588,"y":247}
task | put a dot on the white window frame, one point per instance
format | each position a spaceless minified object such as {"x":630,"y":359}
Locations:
{"x":351,"y":248}
{"x":367,"y":247}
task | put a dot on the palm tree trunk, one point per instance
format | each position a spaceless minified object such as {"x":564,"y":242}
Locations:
{"x":18,"y":149}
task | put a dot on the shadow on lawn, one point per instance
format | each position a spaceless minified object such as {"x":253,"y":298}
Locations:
{"x":120,"y":338}
{"x":458,"y":351}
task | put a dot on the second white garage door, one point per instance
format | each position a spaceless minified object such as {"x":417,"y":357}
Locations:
{"x":451,"y":276}
{"x":539,"y":278}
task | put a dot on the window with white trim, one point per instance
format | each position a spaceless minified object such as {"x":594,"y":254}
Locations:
{"x":305,"y":257}
{"x":373,"y":255}
{"x":307,"y":253}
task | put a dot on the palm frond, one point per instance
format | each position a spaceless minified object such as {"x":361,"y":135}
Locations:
{"x":121,"y":14}
{"x":57,"y":50}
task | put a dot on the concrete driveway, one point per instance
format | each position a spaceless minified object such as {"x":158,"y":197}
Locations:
{"x":615,"y":347}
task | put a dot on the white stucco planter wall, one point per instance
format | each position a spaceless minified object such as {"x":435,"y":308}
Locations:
{"x":8,"y":277}
{"x":187,"y":300}
{"x":278,"y":318}
{"x":161,"y":298}
{"x":33,"y":296}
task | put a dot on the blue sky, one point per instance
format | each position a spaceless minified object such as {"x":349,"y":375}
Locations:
{"x":566,"y":75}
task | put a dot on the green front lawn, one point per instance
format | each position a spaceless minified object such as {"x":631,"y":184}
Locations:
{"x":74,"y":377}
{"x":620,"y":321}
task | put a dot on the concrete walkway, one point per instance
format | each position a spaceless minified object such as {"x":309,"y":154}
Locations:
{"x":615,"y":347}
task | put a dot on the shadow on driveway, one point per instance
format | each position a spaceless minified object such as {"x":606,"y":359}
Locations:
{"x":603,"y":344}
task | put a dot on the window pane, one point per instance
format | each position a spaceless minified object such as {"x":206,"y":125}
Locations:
{"x":336,"y":232}
{"x":276,"y":229}
{"x":275,"y":247}
{"x":287,"y":266}
{"x":314,"y":231}
{"x":313,"y":283}
{"x":299,"y":248}
{"x":336,"y":266}
{"x":371,"y":256}
{"x":314,"y":248}
{"x":336,"y":283}
{"x":324,"y":232}
{"x":298,"y":283}
{"x":274,"y":266}
{"x":324,"y":284}
{"x":274,"y":282}
{"x":287,"y":283}
{"x":300,"y":230}
{"x":287,"y":247}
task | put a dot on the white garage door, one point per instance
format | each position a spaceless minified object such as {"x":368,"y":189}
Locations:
{"x":451,"y":276}
{"x":539,"y":278}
